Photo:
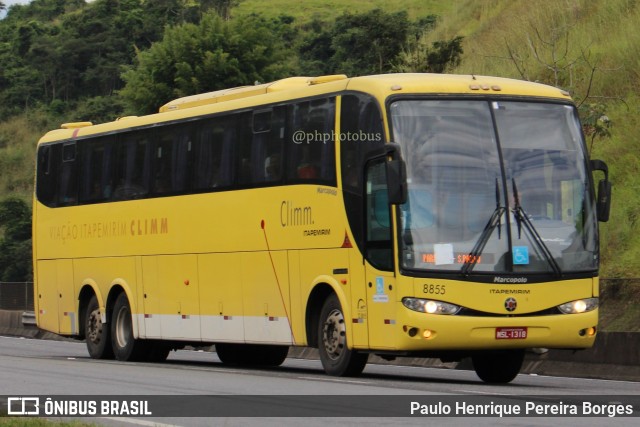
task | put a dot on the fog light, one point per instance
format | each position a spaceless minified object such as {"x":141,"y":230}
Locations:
{"x":427,"y":334}
{"x":588,"y":331}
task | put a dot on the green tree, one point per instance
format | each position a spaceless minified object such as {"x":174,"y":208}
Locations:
{"x":65,"y":52}
{"x":355,"y":44}
{"x":438,"y":57}
{"x":222,"y":7}
{"x":15,"y":243}
{"x":214,"y":54}
{"x":315,"y":50}
{"x":368,"y":43}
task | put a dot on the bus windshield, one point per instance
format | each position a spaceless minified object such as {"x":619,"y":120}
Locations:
{"x":495,"y":187}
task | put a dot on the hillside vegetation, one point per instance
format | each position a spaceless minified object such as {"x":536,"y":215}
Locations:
{"x":591,"y":48}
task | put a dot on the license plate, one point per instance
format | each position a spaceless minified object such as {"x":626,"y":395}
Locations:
{"x":511,"y":333}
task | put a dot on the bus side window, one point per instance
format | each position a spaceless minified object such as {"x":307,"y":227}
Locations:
{"x":95,"y":184}
{"x":163,"y":158}
{"x":359,"y":115}
{"x":171,"y":160}
{"x":213,"y":158}
{"x":268,"y":143}
{"x":47,"y":177}
{"x":68,"y":178}
{"x":133,"y":167}
{"x":245,"y":164}
{"x":312,"y":136}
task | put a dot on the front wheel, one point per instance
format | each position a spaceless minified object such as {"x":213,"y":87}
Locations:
{"x":336,"y":357}
{"x":125,"y":346}
{"x":498,"y":367}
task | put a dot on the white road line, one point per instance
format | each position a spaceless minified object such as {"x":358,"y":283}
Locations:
{"x":334,"y":380}
{"x":138,"y":422}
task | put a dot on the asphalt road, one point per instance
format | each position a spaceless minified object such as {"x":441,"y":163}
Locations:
{"x":41,"y":367}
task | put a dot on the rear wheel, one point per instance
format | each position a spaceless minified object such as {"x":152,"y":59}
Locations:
{"x":156,"y":351}
{"x":97,"y":334}
{"x":337,"y":359}
{"x":125,"y":346}
{"x":498,"y":367}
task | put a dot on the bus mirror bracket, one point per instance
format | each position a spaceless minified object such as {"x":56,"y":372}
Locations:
{"x":603,"y":198}
{"x":396,"y":175}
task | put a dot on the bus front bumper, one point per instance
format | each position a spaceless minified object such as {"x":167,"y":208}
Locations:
{"x":424,"y":332}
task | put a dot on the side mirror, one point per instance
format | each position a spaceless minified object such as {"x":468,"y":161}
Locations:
{"x":603,"y":198}
{"x":396,"y":175}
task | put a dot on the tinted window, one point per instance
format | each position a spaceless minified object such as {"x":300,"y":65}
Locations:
{"x":68,"y":177}
{"x":96,"y":178}
{"x":214,"y":165}
{"x":132,"y":174}
{"x":237,"y":150}
{"x":311,"y":144}
{"x":46,"y":174}
{"x":361,"y":132}
{"x":172,"y":156}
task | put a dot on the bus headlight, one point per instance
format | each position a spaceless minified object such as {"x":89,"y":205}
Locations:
{"x":429,"y":306}
{"x":579,"y":306}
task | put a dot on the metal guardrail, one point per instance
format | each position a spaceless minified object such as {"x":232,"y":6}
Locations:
{"x":19,"y":295}
{"x":16,"y":296}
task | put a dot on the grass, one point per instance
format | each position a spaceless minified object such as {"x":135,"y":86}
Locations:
{"x":305,"y":10}
{"x":38,"y":422}
{"x":18,"y":139}
{"x":619,"y":311}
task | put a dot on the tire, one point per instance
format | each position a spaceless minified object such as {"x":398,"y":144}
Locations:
{"x":337,"y":359}
{"x":273,"y":355}
{"x":252,"y":354}
{"x":156,"y":351}
{"x":228,"y":353}
{"x":125,"y":346}
{"x":498,"y":367}
{"x":97,"y":334}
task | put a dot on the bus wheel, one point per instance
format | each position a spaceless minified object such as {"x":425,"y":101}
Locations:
{"x":125,"y":346}
{"x":97,"y":334}
{"x":229,"y":354}
{"x":498,"y":367}
{"x":336,"y":358}
{"x":272,"y":355}
{"x":156,"y":351}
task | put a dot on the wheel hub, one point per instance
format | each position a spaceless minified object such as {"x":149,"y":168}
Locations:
{"x":334,"y":334}
{"x":94,"y":327}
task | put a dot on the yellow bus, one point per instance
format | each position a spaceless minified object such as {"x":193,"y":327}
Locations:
{"x":421,"y":215}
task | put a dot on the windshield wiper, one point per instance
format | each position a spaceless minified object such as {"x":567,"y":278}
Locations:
{"x":523,"y":219}
{"x":494,"y":221}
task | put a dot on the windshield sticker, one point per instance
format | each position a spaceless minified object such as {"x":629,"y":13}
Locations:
{"x":443,"y":253}
{"x":520,"y":255}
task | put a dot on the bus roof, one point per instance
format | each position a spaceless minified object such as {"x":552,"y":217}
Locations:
{"x":380,"y":86}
